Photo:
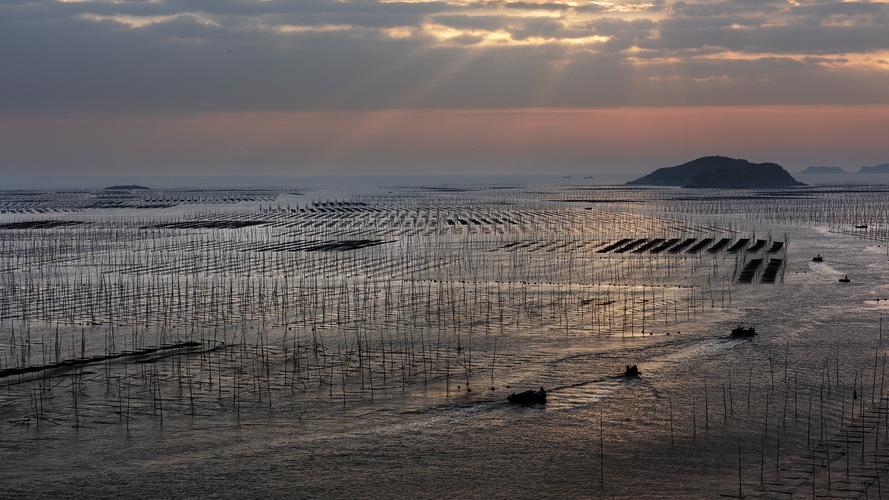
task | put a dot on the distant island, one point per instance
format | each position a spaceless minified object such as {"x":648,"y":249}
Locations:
{"x":823,"y":170}
{"x":125,"y":187}
{"x":876,"y":169}
{"x":720,"y":172}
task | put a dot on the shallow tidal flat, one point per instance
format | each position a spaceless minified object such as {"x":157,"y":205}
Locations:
{"x":334,"y":343}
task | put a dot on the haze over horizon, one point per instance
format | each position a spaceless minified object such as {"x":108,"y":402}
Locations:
{"x":193,"y":87}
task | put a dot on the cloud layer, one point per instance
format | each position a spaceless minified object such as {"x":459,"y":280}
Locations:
{"x":184,"y":56}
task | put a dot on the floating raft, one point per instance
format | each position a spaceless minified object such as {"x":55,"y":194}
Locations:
{"x":665,"y":245}
{"x":771,"y":272}
{"x":719,"y":245}
{"x":649,"y":245}
{"x":614,"y":246}
{"x":691,"y":246}
{"x":629,"y":246}
{"x":776,"y":247}
{"x":749,"y":271}
{"x":682,"y":245}
{"x":700,"y":245}
{"x":757,"y":246}
{"x":739,"y":245}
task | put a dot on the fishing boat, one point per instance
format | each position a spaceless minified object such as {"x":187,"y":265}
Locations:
{"x":860,"y":226}
{"x":845,"y":279}
{"x":817,"y":258}
{"x":743,"y":332}
{"x":632,"y":371}
{"x":530,"y":397}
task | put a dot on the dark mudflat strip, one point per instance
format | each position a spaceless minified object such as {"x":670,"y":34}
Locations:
{"x":210,"y":224}
{"x":600,"y":201}
{"x":41,"y":224}
{"x":336,"y":245}
{"x":68,"y":363}
{"x":344,"y":245}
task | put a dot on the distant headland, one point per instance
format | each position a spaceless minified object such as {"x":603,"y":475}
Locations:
{"x":720,"y":172}
{"x":876,"y":169}
{"x":125,"y":187}
{"x":823,"y":170}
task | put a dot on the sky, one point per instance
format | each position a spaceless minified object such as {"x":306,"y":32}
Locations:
{"x":232,"y":87}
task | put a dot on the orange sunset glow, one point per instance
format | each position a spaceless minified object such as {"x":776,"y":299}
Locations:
{"x":609,"y":140}
{"x":494,"y":86}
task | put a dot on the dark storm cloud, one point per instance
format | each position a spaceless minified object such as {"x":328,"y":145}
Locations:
{"x":180,"y":56}
{"x":752,"y":35}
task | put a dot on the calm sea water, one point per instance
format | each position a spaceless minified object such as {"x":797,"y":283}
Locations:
{"x":787,"y":412}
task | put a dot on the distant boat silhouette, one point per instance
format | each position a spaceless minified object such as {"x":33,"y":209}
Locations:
{"x":526,"y":398}
{"x":860,"y":226}
{"x":817,"y":258}
{"x":845,"y":279}
{"x":743,"y":332}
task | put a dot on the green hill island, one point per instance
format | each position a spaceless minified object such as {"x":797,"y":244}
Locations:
{"x":722,"y":173}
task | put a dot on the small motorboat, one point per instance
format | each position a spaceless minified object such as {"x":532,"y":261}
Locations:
{"x":632,"y":371}
{"x":743,"y":332}
{"x":860,"y":226}
{"x":526,"y":398}
{"x":818,"y":258}
{"x":845,"y":279}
